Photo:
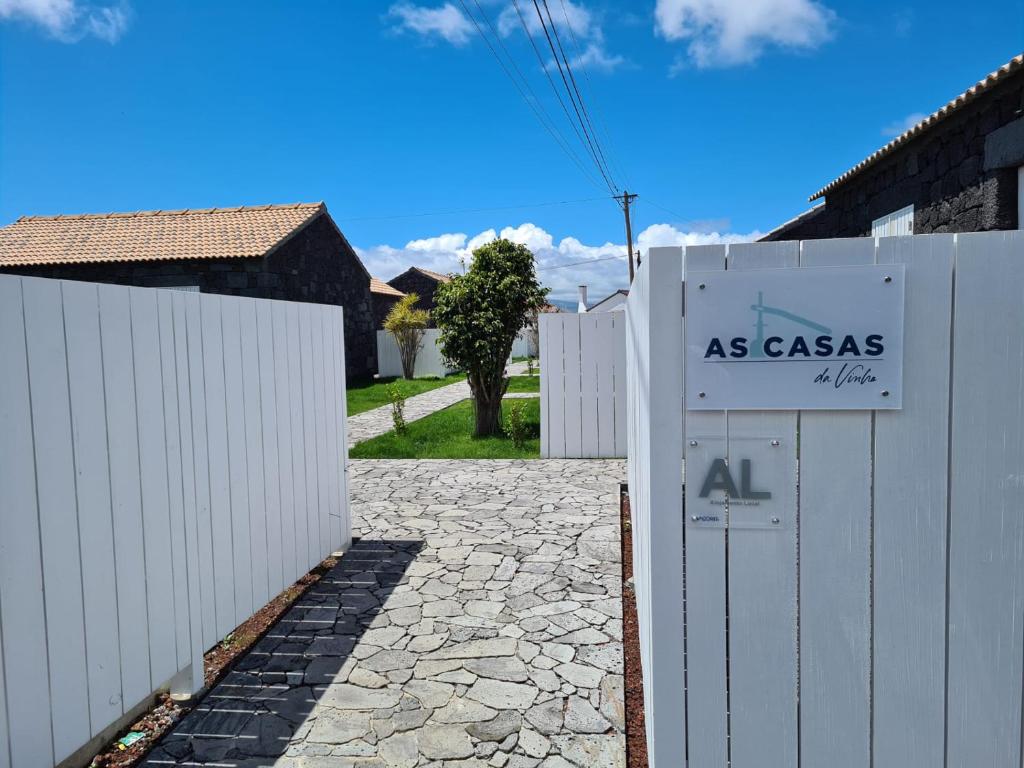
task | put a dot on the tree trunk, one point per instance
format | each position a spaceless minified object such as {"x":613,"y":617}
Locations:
{"x":487,"y":404}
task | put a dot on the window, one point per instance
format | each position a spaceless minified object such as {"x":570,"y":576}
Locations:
{"x":899,"y":222}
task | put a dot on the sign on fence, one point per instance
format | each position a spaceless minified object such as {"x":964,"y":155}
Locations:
{"x":830,"y":338}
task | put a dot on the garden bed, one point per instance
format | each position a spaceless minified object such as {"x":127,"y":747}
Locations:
{"x":372,"y":393}
{"x":448,"y":434}
{"x":636,"y":735}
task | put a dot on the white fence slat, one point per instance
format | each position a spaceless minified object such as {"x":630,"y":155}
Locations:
{"x":589,"y":354}
{"x":835,"y":563}
{"x":619,"y":383}
{"x":237,"y":461}
{"x":153,"y":478}
{"x":911,"y":454}
{"x":175,"y":477}
{"x":316,"y":330}
{"x":279,"y":313}
{"x":21,"y":569}
{"x":125,"y":493}
{"x":342,"y":435}
{"x":655,"y":334}
{"x":309,"y":435}
{"x":5,"y":735}
{"x":96,"y":530}
{"x":256,"y":490}
{"x":190,"y":516}
{"x":218,"y":467}
{"x":986,"y":548}
{"x":334,"y":463}
{"x":269,"y":436}
{"x":762,"y":582}
{"x":572,"y":389}
{"x":58,"y":523}
{"x":602,"y":336}
{"x":300,"y":466}
{"x":554,"y":364}
{"x":707,"y":724}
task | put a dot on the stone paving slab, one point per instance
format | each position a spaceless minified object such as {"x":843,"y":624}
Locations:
{"x":377,"y":421}
{"x":476,"y":622}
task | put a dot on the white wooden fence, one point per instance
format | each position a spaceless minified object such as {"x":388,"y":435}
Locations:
{"x":169,"y":461}
{"x":429,"y":361}
{"x":582,"y":385}
{"x":883,"y":622}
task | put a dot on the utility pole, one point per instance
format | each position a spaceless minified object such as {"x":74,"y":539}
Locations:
{"x":626,"y":199}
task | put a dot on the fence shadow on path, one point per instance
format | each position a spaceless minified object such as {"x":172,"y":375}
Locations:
{"x":251,"y":717}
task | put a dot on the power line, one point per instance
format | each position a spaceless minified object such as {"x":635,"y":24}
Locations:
{"x":565,"y":82}
{"x":580,"y":56}
{"x":576,"y":90}
{"x":547,"y":74}
{"x":663,"y":208}
{"x":578,"y":263}
{"x":534,"y":108}
{"x":453,"y":211}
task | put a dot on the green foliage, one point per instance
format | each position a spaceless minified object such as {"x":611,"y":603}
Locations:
{"x":447,"y":434}
{"x":397,"y":399}
{"x":407,"y":324}
{"x":372,"y":393}
{"x":515,"y":424}
{"x":479,"y":314}
{"x":529,"y":366}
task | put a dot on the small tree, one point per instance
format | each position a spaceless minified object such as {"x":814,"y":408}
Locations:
{"x":479,"y":314}
{"x":408,"y":325}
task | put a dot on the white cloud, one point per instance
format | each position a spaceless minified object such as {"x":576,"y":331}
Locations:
{"x":894,"y":129}
{"x":603,"y":269}
{"x":723,"y":33}
{"x":575,"y":24}
{"x":69,"y":20}
{"x":446,"y":21}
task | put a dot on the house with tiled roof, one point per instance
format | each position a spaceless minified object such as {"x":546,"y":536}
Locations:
{"x":384,"y":298}
{"x":422,"y":282}
{"x":960,"y":169}
{"x":291,"y":252}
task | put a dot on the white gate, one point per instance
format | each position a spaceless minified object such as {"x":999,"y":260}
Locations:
{"x":169,"y":461}
{"x":882,"y":622}
{"x":582,"y":385}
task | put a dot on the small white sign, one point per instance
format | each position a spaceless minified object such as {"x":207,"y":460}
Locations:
{"x":788,"y":339}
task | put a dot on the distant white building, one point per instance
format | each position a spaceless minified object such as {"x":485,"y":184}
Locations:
{"x":616,"y":302}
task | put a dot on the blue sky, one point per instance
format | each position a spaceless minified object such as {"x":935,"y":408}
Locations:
{"x":724,"y":115}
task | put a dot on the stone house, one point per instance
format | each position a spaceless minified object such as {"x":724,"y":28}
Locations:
{"x":291,"y":252}
{"x":961,"y":169}
{"x":422,"y":282}
{"x":384,"y":298}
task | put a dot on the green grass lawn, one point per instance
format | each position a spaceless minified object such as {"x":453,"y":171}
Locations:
{"x":366,"y":395}
{"x":448,"y":434}
{"x":523,"y":384}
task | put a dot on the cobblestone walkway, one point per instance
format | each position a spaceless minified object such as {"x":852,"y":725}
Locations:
{"x":369,"y":424}
{"x":475,"y":623}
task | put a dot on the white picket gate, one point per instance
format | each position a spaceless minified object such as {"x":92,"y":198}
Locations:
{"x":582,"y":385}
{"x":883,"y":624}
{"x":169,"y":461}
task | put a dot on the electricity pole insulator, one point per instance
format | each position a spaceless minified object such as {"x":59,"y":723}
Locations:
{"x":626,"y":199}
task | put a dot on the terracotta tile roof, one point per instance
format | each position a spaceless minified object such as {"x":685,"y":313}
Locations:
{"x":1013,"y":65}
{"x":436,"y":275}
{"x":211,"y":233}
{"x":379,"y":286}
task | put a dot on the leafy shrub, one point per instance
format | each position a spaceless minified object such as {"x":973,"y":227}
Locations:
{"x":397,"y":399}
{"x":515,"y":424}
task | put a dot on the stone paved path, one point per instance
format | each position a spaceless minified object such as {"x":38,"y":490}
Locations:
{"x":369,"y":424}
{"x":475,"y":623}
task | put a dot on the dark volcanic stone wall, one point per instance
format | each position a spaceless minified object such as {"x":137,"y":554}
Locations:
{"x":316,"y":265}
{"x":960,"y":175}
{"x":413,"y":281}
